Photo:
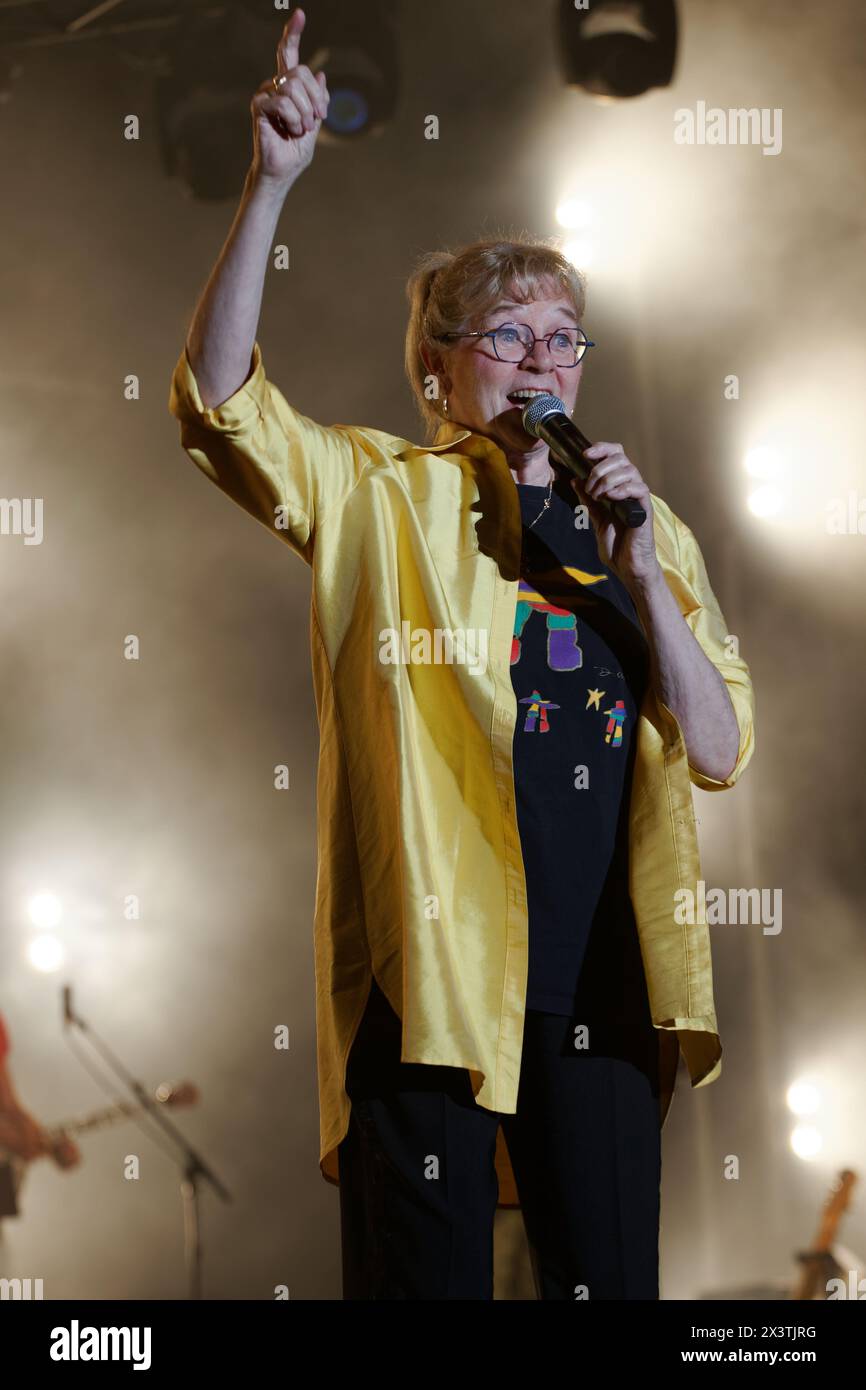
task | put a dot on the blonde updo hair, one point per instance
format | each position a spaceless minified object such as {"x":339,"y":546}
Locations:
{"x":453,"y":291}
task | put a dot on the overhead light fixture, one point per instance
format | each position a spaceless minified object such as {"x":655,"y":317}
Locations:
{"x":356,"y":47}
{"x":618,"y":48}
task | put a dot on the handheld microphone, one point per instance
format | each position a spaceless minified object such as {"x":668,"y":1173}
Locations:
{"x":546,"y":418}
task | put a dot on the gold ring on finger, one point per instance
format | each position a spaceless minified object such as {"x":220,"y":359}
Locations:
{"x":277,"y":81}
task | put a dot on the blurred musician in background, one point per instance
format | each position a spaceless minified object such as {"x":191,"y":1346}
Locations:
{"x":20,"y":1133}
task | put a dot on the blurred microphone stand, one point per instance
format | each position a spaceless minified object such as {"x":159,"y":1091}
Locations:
{"x":192,"y":1165}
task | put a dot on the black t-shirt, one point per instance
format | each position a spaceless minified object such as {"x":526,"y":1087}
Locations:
{"x":579,"y":666}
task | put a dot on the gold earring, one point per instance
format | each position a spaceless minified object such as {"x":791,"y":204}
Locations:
{"x":445,"y":405}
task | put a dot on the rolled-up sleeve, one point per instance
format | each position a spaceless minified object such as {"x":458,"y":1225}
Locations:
{"x":711,"y":631}
{"x":283,"y":468}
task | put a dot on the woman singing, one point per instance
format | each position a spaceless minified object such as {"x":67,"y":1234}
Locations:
{"x":515,"y":694}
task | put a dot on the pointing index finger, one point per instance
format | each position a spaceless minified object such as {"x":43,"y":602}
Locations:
{"x":290,"y":40}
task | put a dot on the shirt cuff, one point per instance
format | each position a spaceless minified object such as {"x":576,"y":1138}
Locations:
{"x":744,"y":756}
{"x":242,"y":409}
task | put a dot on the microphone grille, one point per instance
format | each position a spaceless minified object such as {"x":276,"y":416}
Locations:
{"x":538,"y":409}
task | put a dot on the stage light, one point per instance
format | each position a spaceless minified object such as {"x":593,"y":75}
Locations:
{"x":767,"y":463}
{"x":45,"y":953}
{"x":800,"y":431}
{"x":213,"y":64}
{"x":577,"y":215}
{"x":766,"y":502}
{"x":764,"y":462}
{"x":356,"y":46}
{"x":574,"y":214}
{"x":613,"y":48}
{"x":806,"y":1141}
{"x":580,"y":251}
{"x":596,"y":213}
{"x":44,"y":910}
{"x":803,"y":1097}
{"x":210,"y":68}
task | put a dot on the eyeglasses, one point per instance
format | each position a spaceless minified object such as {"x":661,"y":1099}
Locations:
{"x":514,"y":341}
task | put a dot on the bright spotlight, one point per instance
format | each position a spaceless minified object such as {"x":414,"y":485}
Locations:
{"x":803,"y":1097}
{"x":45,"y":910}
{"x":764,"y":462}
{"x":766,"y":502}
{"x":806,"y":1141}
{"x":580,"y":251}
{"x":574,"y":213}
{"x":45,"y":953}
{"x":779,"y":434}
{"x":597,"y":211}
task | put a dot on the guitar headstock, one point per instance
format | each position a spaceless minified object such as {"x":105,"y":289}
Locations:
{"x":838,"y":1201}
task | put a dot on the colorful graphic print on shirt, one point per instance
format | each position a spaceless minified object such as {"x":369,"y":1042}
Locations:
{"x":564,"y":653}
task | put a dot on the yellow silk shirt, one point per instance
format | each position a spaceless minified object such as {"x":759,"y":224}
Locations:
{"x":420,"y":872}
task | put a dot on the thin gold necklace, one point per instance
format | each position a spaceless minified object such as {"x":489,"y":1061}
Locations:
{"x":546,"y":501}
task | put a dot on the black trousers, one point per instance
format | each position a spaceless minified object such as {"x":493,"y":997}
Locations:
{"x":418,"y":1185}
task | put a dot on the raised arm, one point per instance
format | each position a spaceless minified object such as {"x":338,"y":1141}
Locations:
{"x":283,"y":468}
{"x":223,"y":330}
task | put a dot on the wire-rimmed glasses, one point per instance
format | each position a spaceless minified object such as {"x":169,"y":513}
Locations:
{"x":514,"y":341}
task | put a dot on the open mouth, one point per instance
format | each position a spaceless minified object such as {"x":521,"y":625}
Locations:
{"x":518,"y":399}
